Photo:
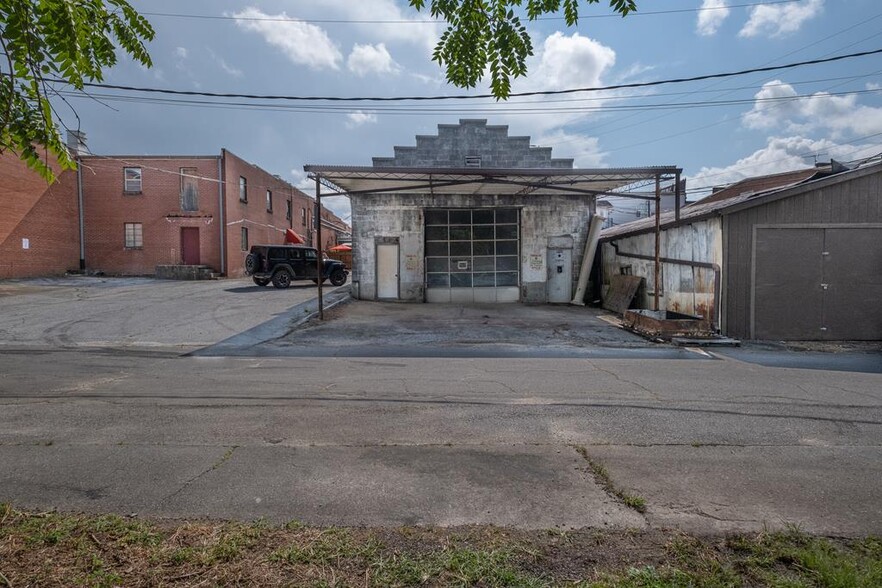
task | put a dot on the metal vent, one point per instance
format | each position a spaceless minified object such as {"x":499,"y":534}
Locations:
{"x":473,"y":161}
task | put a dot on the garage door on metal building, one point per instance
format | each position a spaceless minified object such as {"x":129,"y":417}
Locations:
{"x":472,"y":254}
{"x":818,"y":283}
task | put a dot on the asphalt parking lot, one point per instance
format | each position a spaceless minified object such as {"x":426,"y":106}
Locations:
{"x":137,"y":313}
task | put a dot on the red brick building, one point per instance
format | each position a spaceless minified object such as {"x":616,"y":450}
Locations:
{"x":39,"y":233}
{"x":140,"y":212}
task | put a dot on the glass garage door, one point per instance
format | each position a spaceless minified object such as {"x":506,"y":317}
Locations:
{"x":472,"y":254}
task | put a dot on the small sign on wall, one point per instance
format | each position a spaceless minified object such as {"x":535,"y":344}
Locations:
{"x":411,"y":263}
{"x":535,"y":261}
{"x":25,"y":243}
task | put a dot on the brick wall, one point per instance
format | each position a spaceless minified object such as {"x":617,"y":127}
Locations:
{"x":157,"y":207}
{"x":264,"y":226}
{"x":45,"y":215}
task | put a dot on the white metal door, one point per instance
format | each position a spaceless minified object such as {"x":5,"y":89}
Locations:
{"x":387,"y":270}
{"x":560,"y":275}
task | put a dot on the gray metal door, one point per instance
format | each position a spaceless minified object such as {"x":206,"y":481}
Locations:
{"x":818,"y":283}
{"x":560,"y":275}
{"x":853,"y":278}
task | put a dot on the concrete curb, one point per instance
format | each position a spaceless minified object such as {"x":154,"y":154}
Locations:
{"x":274,"y":328}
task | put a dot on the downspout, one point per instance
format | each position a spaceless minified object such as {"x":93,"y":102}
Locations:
{"x":81,"y":214}
{"x":594,"y":227}
{"x":702,"y":264}
{"x":220,"y":208}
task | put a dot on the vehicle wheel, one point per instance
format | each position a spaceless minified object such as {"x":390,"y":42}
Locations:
{"x":314,"y":281}
{"x":338,"y":277}
{"x":261,"y":281}
{"x":251,"y":263}
{"x":281,"y":279}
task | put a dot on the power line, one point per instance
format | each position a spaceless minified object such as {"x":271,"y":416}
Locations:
{"x":477,"y":96}
{"x":537,"y":108}
{"x":427,"y":22}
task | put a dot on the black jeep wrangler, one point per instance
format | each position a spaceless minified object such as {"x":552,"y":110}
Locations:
{"x":282,"y":264}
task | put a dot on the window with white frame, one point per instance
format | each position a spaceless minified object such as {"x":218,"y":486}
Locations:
{"x":134,"y":235}
{"x":132,"y":180}
{"x":243,"y":189}
{"x":269,"y":201}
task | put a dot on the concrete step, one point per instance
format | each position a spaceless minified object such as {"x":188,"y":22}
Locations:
{"x":186,"y":272}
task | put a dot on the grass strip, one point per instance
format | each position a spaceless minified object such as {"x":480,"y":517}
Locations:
{"x":54,"y":549}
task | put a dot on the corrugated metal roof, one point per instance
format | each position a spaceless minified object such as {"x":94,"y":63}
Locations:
{"x":764,"y":183}
{"x":729,"y":198}
{"x":445,"y":180}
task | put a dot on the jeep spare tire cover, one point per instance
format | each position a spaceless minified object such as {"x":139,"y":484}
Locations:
{"x":251,"y":263}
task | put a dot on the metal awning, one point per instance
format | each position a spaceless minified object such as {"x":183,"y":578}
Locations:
{"x":365,"y":180}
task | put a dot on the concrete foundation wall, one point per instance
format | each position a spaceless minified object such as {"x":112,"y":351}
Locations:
{"x":684,"y":289}
{"x":386,"y":217}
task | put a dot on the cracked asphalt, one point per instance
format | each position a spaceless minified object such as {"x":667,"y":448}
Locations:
{"x":711,"y":443}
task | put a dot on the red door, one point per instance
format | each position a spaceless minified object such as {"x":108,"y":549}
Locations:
{"x":190,"y":245}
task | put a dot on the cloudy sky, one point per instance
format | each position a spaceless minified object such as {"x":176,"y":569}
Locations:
{"x":718,"y":131}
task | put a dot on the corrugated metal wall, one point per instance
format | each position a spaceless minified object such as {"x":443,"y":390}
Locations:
{"x":684,"y":289}
{"x":857,"y":200}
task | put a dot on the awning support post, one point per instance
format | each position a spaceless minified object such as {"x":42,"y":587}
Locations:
{"x":320,"y":261}
{"x":677,"y":195}
{"x":657,"y":239}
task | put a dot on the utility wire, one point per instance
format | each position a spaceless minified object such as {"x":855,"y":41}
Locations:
{"x":489,"y":109}
{"x":477,"y":96}
{"x":424,"y":22}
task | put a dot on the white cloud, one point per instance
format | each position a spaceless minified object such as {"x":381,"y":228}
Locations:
{"x":569,"y":62}
{"x":302,"y":43}
{"x":584,"y":150}
{"x":181,"y":52}
{"x":778,"y":20}
{"x":561,"y":62}
{"x":779,"y":155}
{"x":233,"y":71}
{"x":226,"y":67}
{"x":837,"y":114}
{"x":711,"y":17}
{"x":385,"y":21}
{"x":359,"y":118}
{"x":366,"y":59}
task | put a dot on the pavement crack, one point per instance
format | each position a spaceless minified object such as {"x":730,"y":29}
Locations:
{"x":223,"y":459}
{"x":603,"y":479}
{"x":618,"y":378}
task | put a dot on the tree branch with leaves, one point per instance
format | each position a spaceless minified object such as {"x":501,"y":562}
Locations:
{"x":489,"y":36}
{"x":51,"y":42}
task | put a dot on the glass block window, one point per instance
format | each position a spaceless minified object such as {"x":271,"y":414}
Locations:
{"x":472,"y":247}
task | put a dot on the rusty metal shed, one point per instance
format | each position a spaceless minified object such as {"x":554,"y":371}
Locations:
{"x":795,"y":256}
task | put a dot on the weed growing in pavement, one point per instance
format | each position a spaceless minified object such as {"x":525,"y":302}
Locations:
{"x":602,"y":477}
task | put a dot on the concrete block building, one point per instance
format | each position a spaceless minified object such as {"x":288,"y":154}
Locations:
{"x":140,"y":212}
{"x":472,"y":214}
